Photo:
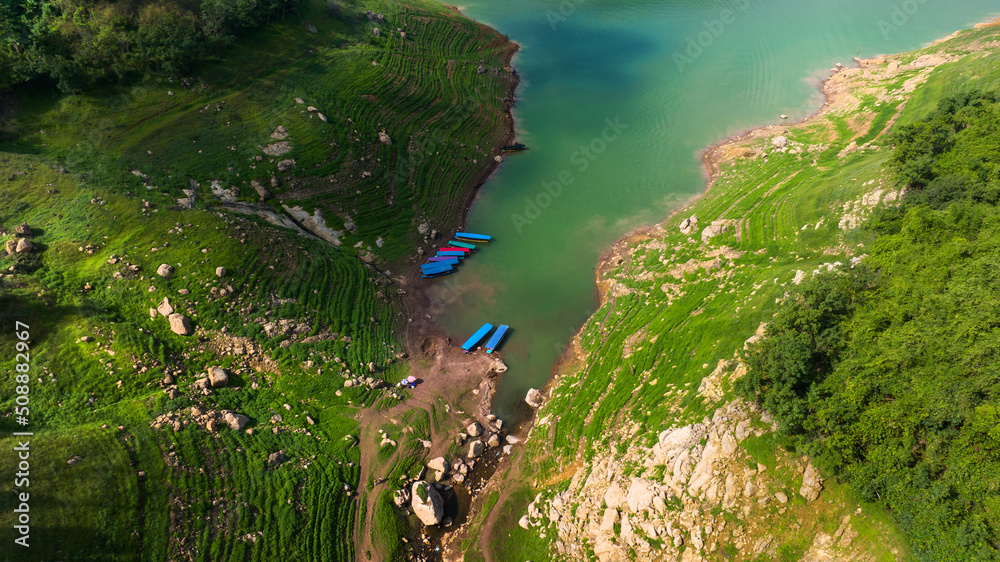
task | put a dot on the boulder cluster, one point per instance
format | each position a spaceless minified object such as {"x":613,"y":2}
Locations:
{"x":679,"y":495}
{"x":476,"y":441}
{"x":211,"y":420}
{"x":20,"y":243}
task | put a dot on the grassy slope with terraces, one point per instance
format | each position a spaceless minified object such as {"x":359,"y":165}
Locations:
{"x":663,"y":327}
{"x":445,"y":120}
{"x":66,"y":168}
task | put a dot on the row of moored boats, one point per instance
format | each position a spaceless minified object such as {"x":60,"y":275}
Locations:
{"x":448,"y":257}
{"x":444,"y":262}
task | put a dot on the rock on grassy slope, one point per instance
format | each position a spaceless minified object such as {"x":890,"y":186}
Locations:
{"x":137,"y":452}
{"x":640,"y":450}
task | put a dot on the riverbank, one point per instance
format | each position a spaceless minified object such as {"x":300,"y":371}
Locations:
{"x":836,"y":94}
{"x":780,"y":205}
{"x":454,"y":389}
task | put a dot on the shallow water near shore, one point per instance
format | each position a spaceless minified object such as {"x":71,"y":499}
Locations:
{"x":617,"y":99}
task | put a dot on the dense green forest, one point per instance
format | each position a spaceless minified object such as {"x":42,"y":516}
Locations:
{"x":887,"y":373}
{"x":80,"y":42}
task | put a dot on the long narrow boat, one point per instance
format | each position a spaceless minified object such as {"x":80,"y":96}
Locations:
{"x":432,"y":266}
{"x":470,"y":237}
{"x":451,"y":249}
{"x":458,"y":244}
{"x":443,"y":259}
{"x":479,"y":335}
{"x":437,"y":265}
{"x":438,"y":268}
{"x":447,"y":254}
{"x":437,"y":273}
{"x":496,"y":339}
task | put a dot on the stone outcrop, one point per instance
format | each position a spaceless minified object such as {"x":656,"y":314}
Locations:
{"x":235,"y":421}
{"x":275,"y":459}
{"x":475,"y":449}
{"x":217,"y":377}
{"x":440,"y":467}
{"x":277,"y":148}
{"x":676,"y":497}
{"x":812,"y":483}
{"x":24,"y":246}
{"x":165,"y":270}
{"x":315,"y":224}
{"x":165,"y":308}
{"x":180,"y":324}
{"x":534,"y":398}
{"x":427,"y":503}
{"x":689,"y":225}
{"x":714,"y":229}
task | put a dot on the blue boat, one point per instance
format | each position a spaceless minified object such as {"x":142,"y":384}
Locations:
{"x":496,"y":339}
{"x":479,"y":335}
{"x":439,"y":259}
{"x":458,"y":244}
{"x":447,"y":254}
{"x":470,"y":237}
{"x":430,"y":268}
{"x":442,"y":261}
{"x":437,"y":273}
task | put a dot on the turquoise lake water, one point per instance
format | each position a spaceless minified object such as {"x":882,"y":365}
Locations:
{"x":617,"y":99}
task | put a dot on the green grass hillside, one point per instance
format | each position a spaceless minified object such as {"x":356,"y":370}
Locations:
{"x":131,"y":458}
{"x":155,"y":490}
{"x":439,"y":95}
{"x":785,"y":208}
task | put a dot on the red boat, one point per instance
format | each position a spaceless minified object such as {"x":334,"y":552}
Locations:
{"x":449,"y":249}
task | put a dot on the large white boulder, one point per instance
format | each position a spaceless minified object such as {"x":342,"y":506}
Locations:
{"x":427,"y":503}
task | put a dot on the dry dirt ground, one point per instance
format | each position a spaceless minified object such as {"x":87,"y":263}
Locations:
{"x":465,"y":382}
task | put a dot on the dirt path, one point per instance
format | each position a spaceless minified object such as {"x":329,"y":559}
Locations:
{"x":462,"y":381}
{"x":491,"y":519}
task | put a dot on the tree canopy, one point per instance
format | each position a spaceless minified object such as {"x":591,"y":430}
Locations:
{"x":887,"y":374}
{"x":76,"y":43}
